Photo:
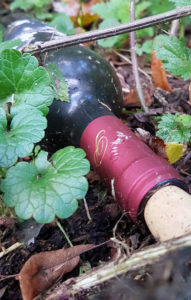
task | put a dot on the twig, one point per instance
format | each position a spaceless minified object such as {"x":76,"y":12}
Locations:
{"x":174,"y":27}
{"x":77,"y":288}
{"x":113,"y":31}
{"x":87,"y":210}
{"x":127,"y":60}
{"x":134,"y":60}
{"x":10,"y":249}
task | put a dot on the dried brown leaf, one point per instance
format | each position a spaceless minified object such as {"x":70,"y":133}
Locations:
{"x":74,"y":11}
{"x":155,"y":143}
{"x":132,"y":98}
{"x":42,"y":269}
{"x":159,"y":73}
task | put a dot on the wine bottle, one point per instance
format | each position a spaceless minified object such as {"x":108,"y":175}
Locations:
{"x":137,"y":178}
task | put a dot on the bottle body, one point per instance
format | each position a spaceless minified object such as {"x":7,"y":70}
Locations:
{"x":129,"y":168}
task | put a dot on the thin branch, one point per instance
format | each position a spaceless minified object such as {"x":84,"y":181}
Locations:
{"x":113,"y":31}
{"x":92,"y":281}
{"x":134,"y":60}
{"x":174,"y":27}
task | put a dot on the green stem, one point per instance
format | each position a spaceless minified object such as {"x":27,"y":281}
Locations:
{"x":64,"y":233}
{"x":182,"y":30}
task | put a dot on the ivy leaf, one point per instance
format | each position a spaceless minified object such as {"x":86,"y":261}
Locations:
{"x":175,"y":128}
{"x":70,"y":161}
{"x":59,"y":83}
{"x":43,"y":190}
{"x":9,"y":44}
{"x":23,"y":82}
{"x":26,"y":128}
{"x":62,"y":23}
{"x":175,"y":56}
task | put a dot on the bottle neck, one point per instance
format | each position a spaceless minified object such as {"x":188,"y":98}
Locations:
{"x":75,"y":121}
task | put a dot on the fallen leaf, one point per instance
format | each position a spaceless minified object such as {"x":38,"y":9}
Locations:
{"x":169,"y":151}
{"x":82,"y":15}
{"x":42,"y":269}
{"x":92,"y":176}
{"x":132,"y":99}
{"x":159,"y":73}
{"x":174,"y":151}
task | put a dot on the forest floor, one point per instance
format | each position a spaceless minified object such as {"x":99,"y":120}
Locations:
{"x":105,"y":214}
{"x":103,"y":219}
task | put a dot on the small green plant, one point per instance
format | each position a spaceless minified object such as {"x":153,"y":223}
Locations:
{"x":41,"y":188}
{"x":175,"y":128}
{"x":62,"y":23}
{"x":175,"y":56}
{"x":38,"y":8}
{"x":116,"y":12}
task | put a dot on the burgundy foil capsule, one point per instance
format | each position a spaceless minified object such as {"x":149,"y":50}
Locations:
{"x":128,"y":166}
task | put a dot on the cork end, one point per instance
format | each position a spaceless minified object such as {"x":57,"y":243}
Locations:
{"x":168,"y":213}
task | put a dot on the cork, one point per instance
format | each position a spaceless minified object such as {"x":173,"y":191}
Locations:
{"x":168,"y":213}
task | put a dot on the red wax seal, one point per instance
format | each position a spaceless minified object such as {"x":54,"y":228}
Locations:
{"x":128,"y":166}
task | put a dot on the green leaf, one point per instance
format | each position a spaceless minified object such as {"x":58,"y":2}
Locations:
{"x":159,"y":6}
{"x":116,"y":12}
{"x":113,"y":9}
{"x":53,"y":192}
{"x":175,"y":128}
{"x":145,"y":48}
{"x":119,"y":9}
{"x":180,"y":3}
{"x":26,"y":128}
{"x":59,"y":83}
{"x":9,"y":44}
{"x":175,"y":56}
{"x":70,"y":161}
{"x":23,"y":82}
{"x":63,"y":23}
{"x":109,"y":42}
{"x":26,"y":4}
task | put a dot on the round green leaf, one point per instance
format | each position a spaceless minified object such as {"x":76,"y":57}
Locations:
{"x":70,"y":161}
{"x":23,"y":82}
{"x":26,"y":128}
{"x":41,"y":190}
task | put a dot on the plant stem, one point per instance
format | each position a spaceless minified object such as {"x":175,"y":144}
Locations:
{"x":87,"y":210}
{"x":134,"y":60}
{"x":64,"y":232}
{"x":174,"y":27}
{"x":113,"y":31}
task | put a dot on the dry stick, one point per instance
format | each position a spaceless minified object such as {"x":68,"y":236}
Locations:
{"x":174,"y":28}
{"x":113,"y":31}
{"x":128,"y":61}
{"x":134,"y":60}
{"x":77,"y":288}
